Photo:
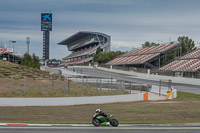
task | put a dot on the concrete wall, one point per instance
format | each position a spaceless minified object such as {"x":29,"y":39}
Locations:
{"x":63,"y":101}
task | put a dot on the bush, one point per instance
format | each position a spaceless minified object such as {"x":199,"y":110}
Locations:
{"x":103,"y":57}
{"x":29,"y":61}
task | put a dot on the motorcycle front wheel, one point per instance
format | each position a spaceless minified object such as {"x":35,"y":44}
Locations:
{"x":96,"y":122}
{"x":114,"y":122}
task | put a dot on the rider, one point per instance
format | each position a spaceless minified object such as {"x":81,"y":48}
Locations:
{"x":101,"y":113}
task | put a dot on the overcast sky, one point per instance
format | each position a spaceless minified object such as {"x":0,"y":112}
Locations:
{"x":128,"y":22}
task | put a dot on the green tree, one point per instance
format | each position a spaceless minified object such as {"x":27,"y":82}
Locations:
{"x":36,"y":61}
{"x":103,"y":57}
{"x":149,"y":44}
{"x":27,"y":60}
{"x":99,"y":50}
{"x":187,"y":44}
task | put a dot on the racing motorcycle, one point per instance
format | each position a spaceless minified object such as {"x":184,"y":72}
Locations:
{"x":104,"y":121}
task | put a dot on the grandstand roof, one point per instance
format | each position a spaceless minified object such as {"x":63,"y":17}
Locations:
{"x":79,"y":35}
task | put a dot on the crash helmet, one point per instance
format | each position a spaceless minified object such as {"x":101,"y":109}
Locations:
{"x":98,"y":110}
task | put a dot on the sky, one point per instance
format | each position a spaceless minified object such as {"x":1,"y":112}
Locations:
{"x":129,"y":22}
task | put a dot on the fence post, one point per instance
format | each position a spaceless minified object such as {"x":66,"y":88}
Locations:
{"x":12,"y":82}
{"x":24,"y":83}
{"x":83,"y":86}
{"x":108,"y":85}
{"x":130,"y":88}
{"x":159,"y":87}
{"x":111,"y":83}
{"x":49,"y":83}
{"x":64,"y":88}
{"x":169,"y":85}
{"x":100,"y":88}
{"x":37,"y":85}
{"x":20,"y":90}
{"x":68,"y":85}
{"x":52,"y":84}
{"x":97,"y":83}
{"x":44,"y":92}
{"x":116,"y":86}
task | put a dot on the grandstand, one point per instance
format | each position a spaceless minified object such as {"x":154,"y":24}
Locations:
{"x":84,"y":45}
{"x":188,"y":63}
{"x":149,"y":57}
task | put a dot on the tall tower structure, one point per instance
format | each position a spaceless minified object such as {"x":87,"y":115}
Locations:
{"x":46,"y":27}
{"x":28,"y":43}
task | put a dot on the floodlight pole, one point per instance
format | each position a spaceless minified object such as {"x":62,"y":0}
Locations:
{"x":13,"y":50}
{"x":28,"y":43}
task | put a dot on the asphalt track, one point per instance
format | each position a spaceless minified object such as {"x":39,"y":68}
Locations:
{"x":101,"y":74}
{"x":12,"y":129}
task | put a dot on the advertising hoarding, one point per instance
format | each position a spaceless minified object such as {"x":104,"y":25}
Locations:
{"x":6,"y":50}
{"x":46,"y":21}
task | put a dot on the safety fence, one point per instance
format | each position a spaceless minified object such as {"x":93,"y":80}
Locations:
{"x":75,"y":86}
{"x":67,"y":87}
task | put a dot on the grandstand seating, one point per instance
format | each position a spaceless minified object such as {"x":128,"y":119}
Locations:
{"x":82,"y":52}
{"x":140,"y":56}
{"x":182,"y":65}
{"x":189,"y":62}
{"x":136,"y":59}
{"x":77,"y":61}
{"x":152,"y":49}
{"x":192,"y":55}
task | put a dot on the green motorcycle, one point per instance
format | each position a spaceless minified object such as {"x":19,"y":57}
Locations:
{"x":102,"y":121}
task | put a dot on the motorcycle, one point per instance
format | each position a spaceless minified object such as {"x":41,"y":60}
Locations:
{"x":102,"y":121}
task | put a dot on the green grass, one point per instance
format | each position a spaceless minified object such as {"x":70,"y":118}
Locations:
{"x":185,"y":109}
{"x":32,"y":88}
{"x":185,"y":96}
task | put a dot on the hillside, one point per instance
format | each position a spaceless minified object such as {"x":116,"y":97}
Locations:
{"x":8,"y":69}
{"x":21,"y":81}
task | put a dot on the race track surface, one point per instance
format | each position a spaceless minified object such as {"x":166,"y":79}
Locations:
{"x":8,"y":129}
{"x":101,"y":74}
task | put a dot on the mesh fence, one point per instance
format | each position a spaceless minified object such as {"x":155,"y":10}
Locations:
{"x":70,"y":86}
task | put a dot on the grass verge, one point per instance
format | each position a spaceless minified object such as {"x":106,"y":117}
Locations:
{"x":48,"y":88}
{"x":184,"y":109}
